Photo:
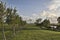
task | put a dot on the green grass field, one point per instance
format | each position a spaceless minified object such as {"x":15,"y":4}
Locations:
{"x":37,"y":35}
{"x":8,"y":35}
{"x":31,"y":33}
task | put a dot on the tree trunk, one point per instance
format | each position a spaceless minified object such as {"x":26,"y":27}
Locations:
{"x":14,"y":33}
{"x":3,"y":33}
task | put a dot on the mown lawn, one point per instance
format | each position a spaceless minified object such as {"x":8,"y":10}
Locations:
{"x":37,"y":35}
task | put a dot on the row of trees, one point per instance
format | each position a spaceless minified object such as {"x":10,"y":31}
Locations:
{"x":43,"y":24}
{"x":46,"y":23}
{"x":9,"y":18}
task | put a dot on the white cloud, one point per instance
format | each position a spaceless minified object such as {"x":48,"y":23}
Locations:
{"x":52,"y":16}
{"x":54,"y":5}
{"x":52,"y":13}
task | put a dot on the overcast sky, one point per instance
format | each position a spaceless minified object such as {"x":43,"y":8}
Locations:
{"x":36,"y":8}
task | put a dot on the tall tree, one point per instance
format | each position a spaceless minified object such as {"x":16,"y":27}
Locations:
{"x":2,"y":14}
{"x":13,"y":19}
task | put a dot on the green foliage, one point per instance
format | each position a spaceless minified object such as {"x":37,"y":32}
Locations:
{"x":58,"y":19}
{"x":43,"y":24}
{"x":9,"y":18}
{"x":46,"y":23}
{"x":58,"y":25}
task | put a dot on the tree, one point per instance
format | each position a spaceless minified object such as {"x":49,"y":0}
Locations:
{"x":43,"y":24}
{"x":58,"y":26}
{"x":2,"y":14}
{"x":46,"y":23}
{"x":38,"y":22}
{"x":11,"y":18}
{"x":58,"y":19}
